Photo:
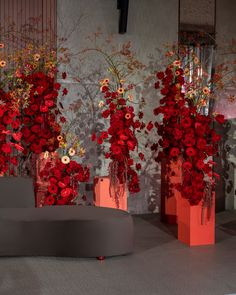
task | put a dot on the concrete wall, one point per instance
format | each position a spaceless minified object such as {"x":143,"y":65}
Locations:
{"x":151,"y":24}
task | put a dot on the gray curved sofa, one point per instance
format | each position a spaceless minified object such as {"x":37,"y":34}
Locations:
{"x":75,"y":231}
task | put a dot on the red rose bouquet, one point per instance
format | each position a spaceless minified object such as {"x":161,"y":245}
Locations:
{"x":62,"y":177}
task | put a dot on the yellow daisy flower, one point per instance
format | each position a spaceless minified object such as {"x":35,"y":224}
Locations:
{"x":130,"y":97}
{"x":176,"y":63}
{"x":2,"y":63}
{"x":65,"y":160}
{"x":120,"y":90}
{"x":46,"y":155}
{"x":59,"y":138}
{"x":101,"y":103}
{"x":196,"y":60}
{"x":186,"y":72}
{"x":71,"y":152}
{"x":82,"y":152}
{"x":206,"y":90}
{"x":36,"y":57}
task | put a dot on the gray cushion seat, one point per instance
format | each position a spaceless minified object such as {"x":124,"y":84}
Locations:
{"x":77,"y":231}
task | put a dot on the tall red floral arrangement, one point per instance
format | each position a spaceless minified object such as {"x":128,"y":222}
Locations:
{"x":187,"y":134}
{"x":122,"y":140}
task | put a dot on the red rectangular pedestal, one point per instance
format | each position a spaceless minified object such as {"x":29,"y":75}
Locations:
{"x":102,"y":196}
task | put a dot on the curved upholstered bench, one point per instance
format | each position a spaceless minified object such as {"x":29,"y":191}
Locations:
{"x":79,"y":231}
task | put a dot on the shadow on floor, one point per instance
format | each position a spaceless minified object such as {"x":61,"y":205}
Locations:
{"x":154,"y":219}
{"x":229,"y":227}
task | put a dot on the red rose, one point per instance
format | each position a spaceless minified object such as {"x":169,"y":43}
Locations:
{"x":141,"y":156}
{"x":104,"y":135}
{"x":137,"y":124}
{"x":160,"y":75}
{"x":100,"y":140}
{"x":49,"y":103}
{"x":131,"y":145}
{"x":93,"y":137}
{"x":15,"y":124}
{"x":52,"y":189}
{"x":34,"y":107}
{"x":106,"y":114}
{"x":174,"y":152}
{"x":157,"y":85}
{"x":190,"y":152}
{"x":107,"y":155}
{"x":186,"y":122}
{"x":52,"y":180}
{"x":7,"y":120}
{"x":104,"y":89}
{"x":62,"y":119}
{"x":63,"y":75}
{"x":66,"y":192}
{"x":178,"y":133}
{"x":115,"y":149}
{"x":57,"y":173}
{"x":6,"y":148}
{"x":200,"y":165}
{"x":18,"y":147}
{"x":43,"y":109}
{"x":189,"y":140}
{"x":187,"y":165}
{"x":150,"y":126}
{"x":17,"y":136}
{"x":26,"y":120}
{"x":61,"y":184}
{"x":215,"y":137}
{"x":57,"y":86}
{"x":62,"y":202}
{"x":26,"y":132}
{"x":201,"y":144}
{"x":64,"y":92}
{"x":138,"y":166}
{"x":14,"y":161}
{"x":50,"y":200}
{"x":220,"y":119}
{"x":123,"y":137}
{"x":2,"y":111}
{"x":36,"y":128}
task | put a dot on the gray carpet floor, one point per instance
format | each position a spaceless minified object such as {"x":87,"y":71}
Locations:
{"x":160,"y":265}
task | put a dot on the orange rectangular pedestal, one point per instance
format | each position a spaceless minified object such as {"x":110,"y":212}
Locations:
{"x":102,"y":196}
{"x":196,"y":226}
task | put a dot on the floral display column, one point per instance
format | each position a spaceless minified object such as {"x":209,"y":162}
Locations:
{"x":188,"y":141}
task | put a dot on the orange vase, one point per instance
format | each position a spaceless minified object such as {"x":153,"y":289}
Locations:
{"x":102,"y":197}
